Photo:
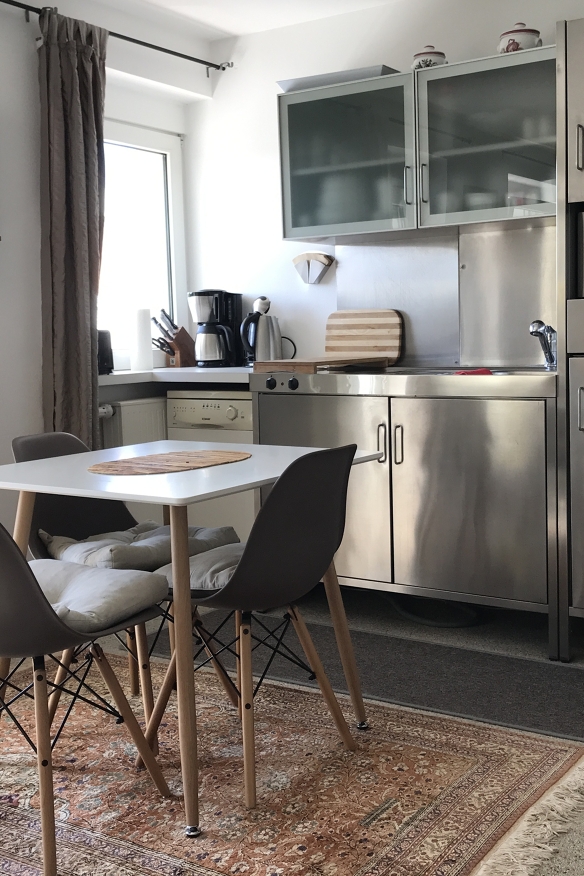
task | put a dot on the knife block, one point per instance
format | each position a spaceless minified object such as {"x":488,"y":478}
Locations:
{"x":184,"y":351}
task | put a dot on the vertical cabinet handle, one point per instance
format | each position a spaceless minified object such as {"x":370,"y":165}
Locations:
{"x":423,"y":183}
{"x":382,"y":441}
{"x":579,"y":147}
{"x":407,"y":196}
{"x":580,"y":418}
{"x":398,"y":445}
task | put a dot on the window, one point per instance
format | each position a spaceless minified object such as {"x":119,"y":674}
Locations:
{"x":143,"y":245}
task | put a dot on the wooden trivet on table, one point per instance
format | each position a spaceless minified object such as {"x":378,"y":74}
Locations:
{"x":166,"y":463}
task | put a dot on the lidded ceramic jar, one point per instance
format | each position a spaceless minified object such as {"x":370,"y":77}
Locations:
{"x":519,"y":37}
{"x":428,"y":57}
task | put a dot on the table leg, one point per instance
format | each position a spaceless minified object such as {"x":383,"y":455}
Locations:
{"x":21,"y":535}
{"x":344,"y":643}
{"x":185,"y":676}
{"x":23,"y":520}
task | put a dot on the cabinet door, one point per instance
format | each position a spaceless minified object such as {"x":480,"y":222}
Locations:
{"x":347,"y":158}
{"x":575,"y":109}
{"x":487,"y":139}
{"x":469,"y":496}
{"x":331,"y":421}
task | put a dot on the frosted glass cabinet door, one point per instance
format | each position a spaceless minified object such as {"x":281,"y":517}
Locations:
{"x":487,"y":139}
{"x":347,"y":158}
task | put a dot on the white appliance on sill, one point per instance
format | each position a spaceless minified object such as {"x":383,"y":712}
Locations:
{"x":225,"y":417}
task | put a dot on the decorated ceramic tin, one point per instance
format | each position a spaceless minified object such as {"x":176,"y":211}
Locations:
{"x":519,"y":37}
{"x":428,"y":57}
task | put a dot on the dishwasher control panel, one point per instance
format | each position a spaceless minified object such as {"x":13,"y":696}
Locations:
{"x":221,"y":413}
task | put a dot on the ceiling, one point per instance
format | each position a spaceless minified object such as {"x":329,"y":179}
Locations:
{"x":235,"y":17}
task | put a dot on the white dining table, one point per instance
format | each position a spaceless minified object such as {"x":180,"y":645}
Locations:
{"x":69,"y":476}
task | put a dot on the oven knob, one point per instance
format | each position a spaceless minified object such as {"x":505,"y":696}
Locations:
{"x":231,"y":413}
{"x":293,"y":383}
{"x":271,"y":383}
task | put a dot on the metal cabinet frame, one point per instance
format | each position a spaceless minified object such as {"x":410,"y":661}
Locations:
{"x":397,"y":80}
{"x":514,"y":59}
{"x":415,"y":105}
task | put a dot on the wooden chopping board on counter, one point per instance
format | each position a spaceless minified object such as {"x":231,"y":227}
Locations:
{"x":372,"y":338}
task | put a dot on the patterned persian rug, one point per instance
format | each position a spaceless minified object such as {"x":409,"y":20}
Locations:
{"x":424,"y":795}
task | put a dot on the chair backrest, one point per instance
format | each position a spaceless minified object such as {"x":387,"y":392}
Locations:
{"x":72,"y":516}
{"x":295,"y":535}
{"x":28,"y":625}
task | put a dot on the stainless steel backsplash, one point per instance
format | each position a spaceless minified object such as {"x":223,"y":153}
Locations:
{"x":476,"y":315}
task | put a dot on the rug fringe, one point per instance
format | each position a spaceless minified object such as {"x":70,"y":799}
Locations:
{"x":531,"y":840}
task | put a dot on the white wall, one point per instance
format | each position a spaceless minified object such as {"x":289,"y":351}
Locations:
{"x":232,"y":146}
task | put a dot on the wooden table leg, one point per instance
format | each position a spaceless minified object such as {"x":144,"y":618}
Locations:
{"x":23,"y":520}
{"x":344,"y":644}
{"x":20,"y":535}
{"x":133,"y":662}
{"x":185,"y":676}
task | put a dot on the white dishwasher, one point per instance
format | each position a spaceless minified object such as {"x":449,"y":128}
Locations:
{"x":225,"y":417}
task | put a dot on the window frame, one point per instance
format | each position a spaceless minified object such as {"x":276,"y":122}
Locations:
{"x":170,"y":145}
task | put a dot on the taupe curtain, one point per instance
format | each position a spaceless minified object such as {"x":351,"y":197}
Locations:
{"x":72,"y":84}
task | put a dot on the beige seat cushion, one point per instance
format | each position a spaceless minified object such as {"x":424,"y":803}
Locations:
{"x":89,"y":599}
{"x":145,"y":546}
{"x":211,"y":570}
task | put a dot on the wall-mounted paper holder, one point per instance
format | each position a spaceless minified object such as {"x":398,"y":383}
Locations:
{"x":312,"y":266}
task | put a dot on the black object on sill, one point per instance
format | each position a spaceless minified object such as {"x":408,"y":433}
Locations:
{"x":105,"y":358}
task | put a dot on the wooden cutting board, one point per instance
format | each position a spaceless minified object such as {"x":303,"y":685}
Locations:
{"x":167,"y":463}
{"x":372,"y":338}
{"x":310,"y":366}
{"x":365,"y":332}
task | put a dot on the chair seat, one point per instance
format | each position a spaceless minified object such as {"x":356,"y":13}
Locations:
{"x":89,"y":599}
{"x":211,"y":570}
{"x":145,"y":546}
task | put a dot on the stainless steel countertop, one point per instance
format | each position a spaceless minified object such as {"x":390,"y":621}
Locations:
{"x":416,"y":383}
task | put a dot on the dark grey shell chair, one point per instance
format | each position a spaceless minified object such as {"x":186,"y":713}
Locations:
{"x":78,"y":518}
{"x":30,"y":628}
{"x":292,"y":543}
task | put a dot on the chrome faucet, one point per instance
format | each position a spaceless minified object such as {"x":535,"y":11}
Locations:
{"x":548,"y":338}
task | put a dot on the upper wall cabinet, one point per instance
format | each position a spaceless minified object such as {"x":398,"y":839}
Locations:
{"x":485,"y":148}
{"x":348,"y":158}
{"x":575,"y":113}
{"x":487,"y":139}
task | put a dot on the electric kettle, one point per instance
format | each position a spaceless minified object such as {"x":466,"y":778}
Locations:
{"x":261,"y":336}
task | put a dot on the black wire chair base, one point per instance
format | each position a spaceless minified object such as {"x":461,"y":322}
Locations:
{"x":273,"y":640}
{"x":76,"y":674}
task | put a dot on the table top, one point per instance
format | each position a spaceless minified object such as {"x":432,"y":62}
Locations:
{"x":68,"y":475}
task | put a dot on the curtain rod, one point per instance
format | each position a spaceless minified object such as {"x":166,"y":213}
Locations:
{"x":210,"y":65}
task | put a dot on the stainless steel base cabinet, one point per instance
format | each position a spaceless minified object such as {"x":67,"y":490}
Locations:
{"x":331,"y":421}
{"x":469,"y":496}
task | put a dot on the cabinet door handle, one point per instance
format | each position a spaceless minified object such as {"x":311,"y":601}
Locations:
{"x":579,"y":147}
{"x":382,"y":441}
{"x":398,"y":445}
{"x":580,"y":418}
{"x":407,"y":171}
{"x":423,"y":184}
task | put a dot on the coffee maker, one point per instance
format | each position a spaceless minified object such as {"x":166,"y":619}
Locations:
{"x":218,"y":316}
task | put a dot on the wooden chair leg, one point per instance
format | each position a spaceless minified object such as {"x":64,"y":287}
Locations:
{"x":344,"y":644}
{"x":133,"y":662}
{"x":238,"y":657}
{"x":145,"y":677}
{"x":45,"y":767}
{"x":60,"y":676}
{"x":217,"y":665}
{"x":321,"y":677}
{"x":247,"y":722}
{"x":168,"y":685}
{"x":130,"y":721}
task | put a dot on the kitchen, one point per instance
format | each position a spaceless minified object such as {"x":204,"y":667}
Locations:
{"x":234,"y":242}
